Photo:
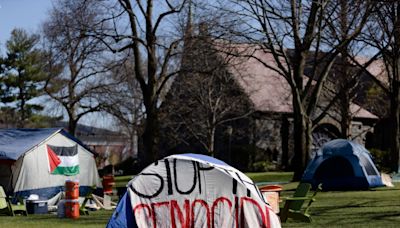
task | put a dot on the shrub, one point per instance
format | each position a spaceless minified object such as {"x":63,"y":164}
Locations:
{"x":263,"y":166}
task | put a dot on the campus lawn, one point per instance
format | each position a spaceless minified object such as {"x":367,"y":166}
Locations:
{"x":122,"y":181}
{"x":379,"y":207}
{"x":270,"y":176}
{"x":371,"y":208}
{"x":94,"y":219}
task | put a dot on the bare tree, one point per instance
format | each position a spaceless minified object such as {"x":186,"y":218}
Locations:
{"x":206,"y":97}
{"x":384,"y":35}
{"x":348,"y":76}
{"x":149,"y":31}
{"x":125,"y":101}
{"x":77,"y":64}
{"x":301,"y":26}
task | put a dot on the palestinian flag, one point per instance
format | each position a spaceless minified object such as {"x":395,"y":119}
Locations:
{"x":63,"y":160}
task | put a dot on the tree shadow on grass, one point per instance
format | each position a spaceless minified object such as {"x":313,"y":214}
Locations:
{"x":394,"y":216}
{"x":357,"y":213}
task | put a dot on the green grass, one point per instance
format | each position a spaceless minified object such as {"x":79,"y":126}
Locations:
{"x":372,"y":208}
{"x":379,"y":207}
{"x":121,"y":181}
{"x":95,"y":219}
{"x":271,"y":176}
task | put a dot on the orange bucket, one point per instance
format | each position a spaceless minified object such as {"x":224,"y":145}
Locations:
{"x":271,"y":188}
{"x":71,"y":190}
{"x":108,"y":183}
{"x":72,"y":209}
{"x":271,"y":194}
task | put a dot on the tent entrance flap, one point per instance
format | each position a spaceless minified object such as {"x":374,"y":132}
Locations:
{"x":329,"y":169}
{"x":5,"y":176}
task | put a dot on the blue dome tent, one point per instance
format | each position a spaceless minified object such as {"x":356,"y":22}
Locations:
{"x":192,"y":190}
{"x":342,"y":165}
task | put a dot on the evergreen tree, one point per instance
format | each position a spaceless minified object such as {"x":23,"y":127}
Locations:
{"x":22,"y":77}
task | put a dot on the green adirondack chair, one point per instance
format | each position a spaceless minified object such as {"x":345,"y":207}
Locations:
{"x":6,"y":207}
{"x":293,"y":207}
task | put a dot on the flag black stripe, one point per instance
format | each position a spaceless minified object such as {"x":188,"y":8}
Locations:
{"x":65,"y":151}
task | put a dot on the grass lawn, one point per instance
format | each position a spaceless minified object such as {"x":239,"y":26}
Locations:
{"x":95,"y":219}
{"x":121,"y":181}
{"x":271,"y":176}
{"x":372,"y":208}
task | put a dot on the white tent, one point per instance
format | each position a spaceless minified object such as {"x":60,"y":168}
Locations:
{"x":192,"y":190}
{"x":25,"y":164}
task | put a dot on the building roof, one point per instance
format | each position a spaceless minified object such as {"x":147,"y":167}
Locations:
{"x":267,"y":89}
{"x":359,"y":112}
{"x":376,"y":68}
{"x":16,"y":142}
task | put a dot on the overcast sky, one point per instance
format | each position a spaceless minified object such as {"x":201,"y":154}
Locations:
{"x":26,"y":14}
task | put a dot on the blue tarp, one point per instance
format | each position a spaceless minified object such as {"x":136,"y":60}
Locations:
{"x":16,"y":142}
{"x":50,"y":192}
{"x":341,"y":165}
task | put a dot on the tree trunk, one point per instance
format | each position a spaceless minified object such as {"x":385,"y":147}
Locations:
{"x":211,"y":141}
{"x":72,"y":121}
{"x":72,"y":126}
{"x":299,"y":147}
{"x":302,"y":122}
{"x":344,"y":75}
{"x":21,"y":97}
{"x":22,"y":113}
{"x":149,"y":136}
{"x":395,"y":106}
{"x":394,"y":115}
{"x":345,"y":115}
{"x":302,"y":141}
{"x":395,"y":122}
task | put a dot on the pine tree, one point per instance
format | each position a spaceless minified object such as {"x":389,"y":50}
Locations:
{"x":23,"y":77}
